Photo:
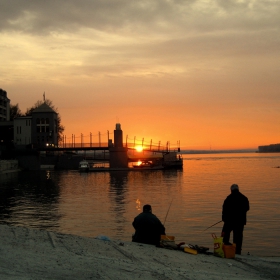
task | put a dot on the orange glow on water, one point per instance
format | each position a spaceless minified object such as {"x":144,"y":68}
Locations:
{"x":138,"y":204}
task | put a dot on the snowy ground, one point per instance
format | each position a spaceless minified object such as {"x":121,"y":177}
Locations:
{"x":38,"y":254}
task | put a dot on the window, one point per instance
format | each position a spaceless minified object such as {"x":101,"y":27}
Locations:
{"x":42,"y":125}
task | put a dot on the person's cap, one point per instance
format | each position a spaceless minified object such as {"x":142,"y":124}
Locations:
{"x":234,"y":187}
{"x":147,"y":207}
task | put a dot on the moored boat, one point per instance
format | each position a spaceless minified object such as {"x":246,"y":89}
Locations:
{"x":83,"y":166}
{"x":148,"y":165}
{"x":172,"y":160}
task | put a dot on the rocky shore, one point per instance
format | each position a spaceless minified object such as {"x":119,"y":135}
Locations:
{"x":39,"y":254}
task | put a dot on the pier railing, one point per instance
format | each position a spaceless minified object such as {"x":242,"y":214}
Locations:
{"x":130,"y":146}
{"x":83,"y":145}
{"x":137,"y":144}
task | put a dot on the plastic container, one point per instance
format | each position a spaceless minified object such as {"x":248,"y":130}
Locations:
{"x":229,"y":251}
{"x":168,"y":241}
{"x":190,"y":251}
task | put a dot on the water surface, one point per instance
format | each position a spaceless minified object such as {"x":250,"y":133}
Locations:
{"x":105,"y":203}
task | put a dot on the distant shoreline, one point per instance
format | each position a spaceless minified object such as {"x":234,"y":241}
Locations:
{"x":185,"y":151}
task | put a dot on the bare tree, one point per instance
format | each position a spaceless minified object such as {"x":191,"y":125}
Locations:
{"x":15,"y":112}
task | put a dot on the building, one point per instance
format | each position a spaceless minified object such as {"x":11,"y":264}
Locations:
{"x":44,"y":127}
{"x":4,"y":106}
{"x":38,"y":130}
{"x":22,"y":132}
{"x":6,"y":126}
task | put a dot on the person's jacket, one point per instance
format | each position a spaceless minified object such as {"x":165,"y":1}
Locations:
{"x":235,"y":208}
{"x":148,"y":229}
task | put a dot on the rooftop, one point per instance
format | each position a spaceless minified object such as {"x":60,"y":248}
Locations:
{"x":44,"y":108}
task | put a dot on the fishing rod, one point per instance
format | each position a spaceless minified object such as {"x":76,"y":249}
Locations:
{"x":213,"y":225}
{"x":167,"y":211}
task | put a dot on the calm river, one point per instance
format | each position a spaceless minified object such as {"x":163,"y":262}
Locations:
{"x":105,"y":203}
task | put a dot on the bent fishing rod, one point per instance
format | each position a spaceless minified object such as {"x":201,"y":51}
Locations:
{"x":167,"y":211}
{"x":213,"y":225}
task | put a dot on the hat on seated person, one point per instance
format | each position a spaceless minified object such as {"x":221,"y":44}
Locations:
{"x":147,"y":208}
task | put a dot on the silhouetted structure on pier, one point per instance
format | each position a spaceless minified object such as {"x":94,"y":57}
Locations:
{"x":118,"y":153}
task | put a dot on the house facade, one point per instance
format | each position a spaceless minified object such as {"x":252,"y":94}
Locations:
{"x":44,"y":127}
{"x":38,"y":130}
{"x":22,"y":132}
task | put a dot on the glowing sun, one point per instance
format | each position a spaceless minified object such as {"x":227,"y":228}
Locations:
{"x":139,"y":148}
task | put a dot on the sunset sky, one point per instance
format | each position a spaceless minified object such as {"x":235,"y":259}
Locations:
{"x":204,"y":72}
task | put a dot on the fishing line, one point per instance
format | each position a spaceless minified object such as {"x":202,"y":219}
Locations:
{"x":167,"y":211}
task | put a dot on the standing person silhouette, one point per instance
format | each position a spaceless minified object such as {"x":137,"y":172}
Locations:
{"x":234,"y":216}
{"x":148,"y":228}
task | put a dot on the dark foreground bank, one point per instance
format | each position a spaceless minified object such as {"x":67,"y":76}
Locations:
{"x":38,"y":254}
